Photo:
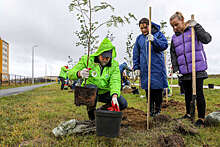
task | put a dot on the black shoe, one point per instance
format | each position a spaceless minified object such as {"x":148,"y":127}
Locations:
{"x":152,"y":114}
{"x":186,"y":116}
{"x":199,"y":123}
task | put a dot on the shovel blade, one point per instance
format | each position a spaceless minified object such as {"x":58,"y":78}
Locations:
{"x":192,"y":108}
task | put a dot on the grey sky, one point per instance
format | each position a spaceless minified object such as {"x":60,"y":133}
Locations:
{"x":49,"y":24}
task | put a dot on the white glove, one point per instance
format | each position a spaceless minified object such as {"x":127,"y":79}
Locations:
{"x":192,"y":23}
{"x":178,"y":74}
{"x":84,"y":73}
{"x":114,"y":100}
{"x":137,"y":72}
{"x":150,"y":37}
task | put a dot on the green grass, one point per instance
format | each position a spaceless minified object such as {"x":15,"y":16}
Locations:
{"x":28,"y":119}
{"x":210,"y":80}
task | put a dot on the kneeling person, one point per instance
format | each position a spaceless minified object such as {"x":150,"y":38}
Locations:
{"x":104,"y":74}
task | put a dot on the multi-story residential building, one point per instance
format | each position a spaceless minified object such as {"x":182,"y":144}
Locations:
{"x":4,"y":60}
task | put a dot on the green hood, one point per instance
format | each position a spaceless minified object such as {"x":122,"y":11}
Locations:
{"x":105,"y":45}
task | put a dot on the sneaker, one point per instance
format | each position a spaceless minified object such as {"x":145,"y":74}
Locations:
{"x":199,"y":123}
{"x":186,"y":116}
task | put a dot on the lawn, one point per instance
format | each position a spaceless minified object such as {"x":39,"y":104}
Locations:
{"x":210,"y":80}
{"x":28,"y":119}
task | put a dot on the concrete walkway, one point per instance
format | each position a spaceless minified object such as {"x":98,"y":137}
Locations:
{"x":11,"y":91}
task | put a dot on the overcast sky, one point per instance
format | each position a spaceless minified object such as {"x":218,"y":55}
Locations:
{"x":50,"y":25}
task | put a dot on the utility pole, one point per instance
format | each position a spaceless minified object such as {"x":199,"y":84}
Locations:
{"x":45,"y":72}
{"x":33,"y":63}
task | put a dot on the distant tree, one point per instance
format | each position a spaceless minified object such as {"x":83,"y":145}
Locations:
{"x":110,"y":36}
{"x":86,"y":14}
{"x":163,"y":25}
{"x":129,"y":49}
{"x":167,"y":52}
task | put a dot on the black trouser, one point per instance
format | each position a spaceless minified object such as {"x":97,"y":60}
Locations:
{"x":62,"y":82}
{"x":156,"y":99}
{"x":105,"y":98}
{"x":180,"y":82}
{"x":200,"y":99}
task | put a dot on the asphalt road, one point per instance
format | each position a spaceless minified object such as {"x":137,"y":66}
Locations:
{"x":12,"y":91}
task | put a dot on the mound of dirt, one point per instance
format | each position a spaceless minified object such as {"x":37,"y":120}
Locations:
{"x":180,"y":127}
{"x":173,"y":140}
{"x":160,"y":119}
{"x":172,"y":103}
{"x":134,"y":118}
{"x":137,"y":119}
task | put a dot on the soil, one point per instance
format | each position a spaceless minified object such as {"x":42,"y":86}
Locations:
{"x":217,"y":105}
{"x":173,"y":140}
{"x":137,"y":119}
{"x":85,"y":96}
{"x":173,"y":103}
{"x":180,"y":127}
{"x":159,"y":120}
{"x":134,"y":118}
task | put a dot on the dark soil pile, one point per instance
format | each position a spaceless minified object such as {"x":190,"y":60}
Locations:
{"x":159,"y":120}
{"x":173,"y":140}
{"x":137,"y":119}
{"x":173,"y":103}
{"x":134,"y":118}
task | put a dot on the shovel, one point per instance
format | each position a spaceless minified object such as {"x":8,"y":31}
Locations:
{"x":149,"y":72}
{"x":165,"y":58}
{"x":192,"y":103}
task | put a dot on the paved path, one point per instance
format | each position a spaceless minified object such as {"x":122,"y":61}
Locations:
{"x":11,"y":91}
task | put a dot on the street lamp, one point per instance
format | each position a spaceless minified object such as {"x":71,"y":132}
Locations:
{"x":33,"y":63}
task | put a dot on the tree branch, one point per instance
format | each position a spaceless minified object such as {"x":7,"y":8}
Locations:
{"x":101,"y":25}
{"x":83,"y":14}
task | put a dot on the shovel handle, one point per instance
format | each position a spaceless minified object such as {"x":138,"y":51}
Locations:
{"x":149,"y":71}
{"x":193,"y":59}
{"x":192,"y":105}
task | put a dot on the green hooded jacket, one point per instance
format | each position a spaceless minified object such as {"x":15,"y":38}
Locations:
{"x":109,"y":79}
{"x":63,"y":72}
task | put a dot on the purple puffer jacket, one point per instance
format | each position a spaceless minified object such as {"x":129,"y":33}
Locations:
{"x":183,"y":49}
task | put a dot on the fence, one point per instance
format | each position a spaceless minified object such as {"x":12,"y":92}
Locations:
{"x":12,"y":79}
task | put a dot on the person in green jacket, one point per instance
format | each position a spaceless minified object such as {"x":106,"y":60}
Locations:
{"x":102,"y":72}
{"x":63,"y":75}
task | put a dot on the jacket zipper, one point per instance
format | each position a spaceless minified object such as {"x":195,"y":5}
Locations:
{"x":101,"y":69}
{"x":185,"y":54}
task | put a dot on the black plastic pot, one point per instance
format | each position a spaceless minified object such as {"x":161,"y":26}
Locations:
{"x":211,"y":86}
{"x":108,"y":123}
